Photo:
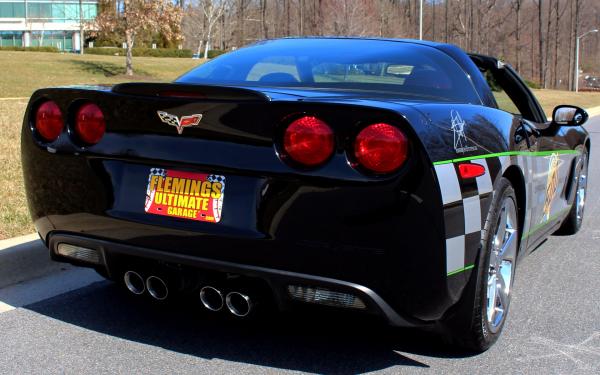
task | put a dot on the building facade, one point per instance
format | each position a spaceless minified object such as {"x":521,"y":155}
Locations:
{"x":36,"y":23}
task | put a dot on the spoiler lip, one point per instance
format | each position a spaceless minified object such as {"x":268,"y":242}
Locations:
{"x":192,"y":91}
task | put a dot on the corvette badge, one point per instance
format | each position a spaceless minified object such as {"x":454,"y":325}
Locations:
{"x":179,"y":122}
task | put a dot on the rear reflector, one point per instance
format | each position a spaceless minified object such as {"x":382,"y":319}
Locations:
{"x":308,"y":141}
{"x":89,"y":124}
{"x":49,"y":121}
{"x":470,"y":170}
{"x":80,"y":253}
{"x":325,"y":297}
{"x":381,"y":148}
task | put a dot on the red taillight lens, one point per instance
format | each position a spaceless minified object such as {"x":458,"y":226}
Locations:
{"x":470,"y":170}
{"x":308,"y":141}
{"x":89,"y":124}
{"x":49,"y":121}
{"x":381,"y":148}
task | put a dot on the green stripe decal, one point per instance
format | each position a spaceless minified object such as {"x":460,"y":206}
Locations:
{"x":543,"y":224}
{"x":465,"y":268}
{"x":508,"y":153}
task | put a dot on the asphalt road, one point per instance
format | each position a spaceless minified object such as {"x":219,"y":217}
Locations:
{"x":95,"y":327}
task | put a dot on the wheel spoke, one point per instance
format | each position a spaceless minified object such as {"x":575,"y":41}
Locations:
{"x":502,"y":291}
{"x":491,"y":297}
{"x":509,"y":247}
{"x":501,"y":264}
{"x":501,"y":230}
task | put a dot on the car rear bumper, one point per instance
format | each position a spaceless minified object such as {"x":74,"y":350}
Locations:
{"x":278,"y":280}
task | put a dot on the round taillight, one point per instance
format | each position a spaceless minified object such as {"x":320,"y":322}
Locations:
{"x":381,"y":148}
{"x":89,"y":124}
{"x":49,"y":121}
{"x":308,"y":141}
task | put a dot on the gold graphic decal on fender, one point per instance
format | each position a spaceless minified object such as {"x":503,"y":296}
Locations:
{"x":551,"y":184}
{"x":187,"y":195}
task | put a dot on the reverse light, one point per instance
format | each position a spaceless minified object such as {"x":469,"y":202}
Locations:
{"x":79,"y":253}
{"x":89,"y":124}
{"x":470,"y":170}
{"x":308,"y":141}
{"x":49,"y":121}
{"x":381,"y":148}
{"x":324,"y":296}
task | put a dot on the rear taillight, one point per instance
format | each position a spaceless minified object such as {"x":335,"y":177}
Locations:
{"x":89,"y":124}
{"x":308,"y":141}
{"x":381,"y":148}
{"x":49,"y":121}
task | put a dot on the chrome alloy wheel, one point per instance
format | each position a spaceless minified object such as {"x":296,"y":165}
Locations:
{"x":502,"y":265}
{"x":581,"y":187}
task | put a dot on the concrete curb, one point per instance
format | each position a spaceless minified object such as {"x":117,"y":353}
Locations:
{"x":25,"y":258}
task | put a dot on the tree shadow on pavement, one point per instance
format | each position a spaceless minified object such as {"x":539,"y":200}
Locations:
{"x":311,"y":343}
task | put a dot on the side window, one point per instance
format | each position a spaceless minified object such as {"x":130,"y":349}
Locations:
{"x":504,"y":101}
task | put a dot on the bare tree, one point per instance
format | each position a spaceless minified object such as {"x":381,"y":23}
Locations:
{"x":137,"y":16}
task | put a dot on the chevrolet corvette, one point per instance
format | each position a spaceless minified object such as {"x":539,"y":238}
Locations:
{"x":398,"y":178}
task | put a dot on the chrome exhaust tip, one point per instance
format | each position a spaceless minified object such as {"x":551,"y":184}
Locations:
{"x":134,"y":282}
{"x":238,"y":304}
{"x":157,"y":288}
{"x":211,"y":298}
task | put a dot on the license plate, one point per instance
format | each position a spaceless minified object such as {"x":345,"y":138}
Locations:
{"x":186,"y":195}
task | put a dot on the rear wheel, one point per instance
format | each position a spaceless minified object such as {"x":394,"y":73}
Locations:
{"x":480,"y":315}
{"x":574,"y":219}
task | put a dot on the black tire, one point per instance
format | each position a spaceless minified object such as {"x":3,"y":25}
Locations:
{"x":467,"y":325}
{"x":574,"y":219}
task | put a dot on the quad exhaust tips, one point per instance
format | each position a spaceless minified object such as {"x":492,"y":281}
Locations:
{"x":157,"y":288}
{"x":211,"y":298}
{"x":238,"y":304}
{"x":134,"y":282}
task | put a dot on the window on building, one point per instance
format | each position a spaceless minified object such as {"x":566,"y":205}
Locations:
{"x":12,"y":10}
{"x":11,"y":39}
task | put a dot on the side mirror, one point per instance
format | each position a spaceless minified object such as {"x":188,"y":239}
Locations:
{"x":569,"y":115}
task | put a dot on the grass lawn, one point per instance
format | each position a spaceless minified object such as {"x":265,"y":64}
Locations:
{"x":551,"y":98}
{"x":21,"y":73}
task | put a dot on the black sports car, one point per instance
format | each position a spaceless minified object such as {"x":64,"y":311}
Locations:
{"x":392,"y":177}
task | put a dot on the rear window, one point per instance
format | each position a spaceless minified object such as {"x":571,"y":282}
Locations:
{"x":406,"y":70}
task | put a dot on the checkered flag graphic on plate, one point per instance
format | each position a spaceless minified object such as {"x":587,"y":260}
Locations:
{"x":217,"y":203}
{"x":157,"y":172}
{"x":150,"y":194}
{"x":216,"y":178}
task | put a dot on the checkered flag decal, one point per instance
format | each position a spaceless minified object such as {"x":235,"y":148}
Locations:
{"x":466,"y":204}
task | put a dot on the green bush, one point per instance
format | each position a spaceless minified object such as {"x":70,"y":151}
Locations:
{"x":533,"y":85}
{"x":30,"y":49}
{"x":148,"y":52}
{"x":215,"y":52}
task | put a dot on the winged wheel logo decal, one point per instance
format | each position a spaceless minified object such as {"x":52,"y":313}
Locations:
{"x":179,"y":122}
